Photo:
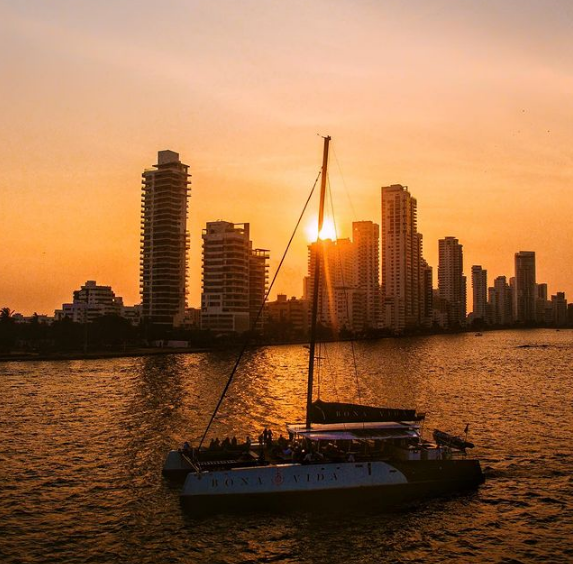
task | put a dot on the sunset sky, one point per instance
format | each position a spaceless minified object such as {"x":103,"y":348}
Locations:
{"x":469,"y":103}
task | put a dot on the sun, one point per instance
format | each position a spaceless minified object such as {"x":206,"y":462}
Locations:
{"x":328,"y":230}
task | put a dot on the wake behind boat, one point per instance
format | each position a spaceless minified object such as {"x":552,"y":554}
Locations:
{"x":343,"y":454}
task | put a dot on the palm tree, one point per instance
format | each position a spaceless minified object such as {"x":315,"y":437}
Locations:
{"x":6,"y":315}
{"x":7,"y":337}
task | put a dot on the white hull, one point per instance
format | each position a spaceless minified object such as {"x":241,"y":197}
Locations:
{"x":292,"y":478}
{"x":336,"y":486}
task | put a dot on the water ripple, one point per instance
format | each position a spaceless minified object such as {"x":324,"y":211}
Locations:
{"x":82,"y":444}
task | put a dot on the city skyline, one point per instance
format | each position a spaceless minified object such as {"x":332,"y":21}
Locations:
{"x":480,"y":133}
{"x":331,"y":232}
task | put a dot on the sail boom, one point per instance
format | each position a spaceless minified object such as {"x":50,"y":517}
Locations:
{"x":337,"y":412}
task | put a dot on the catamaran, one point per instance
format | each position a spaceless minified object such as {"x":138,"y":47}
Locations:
{"x":342,"y":454}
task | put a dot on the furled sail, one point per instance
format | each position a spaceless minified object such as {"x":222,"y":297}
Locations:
{"x":336,"y":412}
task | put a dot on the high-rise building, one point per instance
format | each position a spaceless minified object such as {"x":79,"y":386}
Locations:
{"x":164,"y":240}
{"x":288,"y":317}
{"x":479,"y":287}
{"x":341,"y":302}
{"x":234,"y":278}
{"x":451,"y":280}
{"x":543,"y":311}
{"x":366,"y":239}
{"x":489,"y":307}
{"x":401,"y":259}
{"x":559,"y":309}
{"x":502,"y":303}
{"x":426,"y":294}
{"x":524,"y":297}
{"x":258,"y":283}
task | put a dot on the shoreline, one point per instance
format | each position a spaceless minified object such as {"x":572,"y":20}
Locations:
{"x":160,"y":351}
{"x":97,"y":355}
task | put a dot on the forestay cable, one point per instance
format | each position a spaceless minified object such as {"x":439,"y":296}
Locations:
{"x":254,"y":324}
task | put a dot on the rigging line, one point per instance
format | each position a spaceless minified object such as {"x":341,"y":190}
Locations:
{"x":318,"y":370}
{"x":356,"y":377}
{"x":344,"y":183}
{"x":254,"y":324}
{"x":334,"y":372}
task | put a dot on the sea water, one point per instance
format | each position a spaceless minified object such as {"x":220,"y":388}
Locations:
{"x":82,"y":444}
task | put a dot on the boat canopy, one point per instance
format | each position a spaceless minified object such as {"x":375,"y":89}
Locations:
{"x":336,"y":412}
{"x":373,"y":430}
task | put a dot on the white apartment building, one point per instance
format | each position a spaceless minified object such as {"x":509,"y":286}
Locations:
{"x":235,"y":278}
{"x":164,"y":240}
{"x":89,"y":302}
{"x":366,"y":239}
{"x":401,"y":259}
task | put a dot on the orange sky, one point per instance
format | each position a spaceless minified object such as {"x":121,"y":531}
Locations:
{"x":467,"y":103}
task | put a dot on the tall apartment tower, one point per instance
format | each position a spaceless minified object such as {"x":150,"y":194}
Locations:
{"x":234,"y":278}
{"x":542,"y":304}
{"x":479,"y":287}
{"x":258,"y":284}
{"x":401,"y":258}
{"x":164,"y":240}
{"x":502,"y":302}
{"x":451,"y":280}
{"x":524,"y":296}
{"x":366,"y":239}
{"x":426,"y":294}
{"x":559,"y":309}
{"x":341,"y":301}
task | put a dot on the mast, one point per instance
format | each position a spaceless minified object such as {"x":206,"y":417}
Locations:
{"x":317,"y":266}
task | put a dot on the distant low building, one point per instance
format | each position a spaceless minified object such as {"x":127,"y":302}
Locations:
{"x":132,"y":313}
{"x":288,"y":314}
{"x":36,"y":318}
{"x":89,"y":302}
{"x":192,"y":318}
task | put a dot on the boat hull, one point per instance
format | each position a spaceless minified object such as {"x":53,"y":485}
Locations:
{"x":176,"y":467}
{"x":329,"y":487}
